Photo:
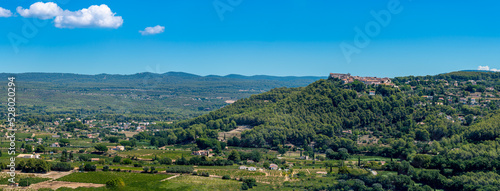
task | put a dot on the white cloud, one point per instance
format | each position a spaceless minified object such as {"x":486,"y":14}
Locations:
{"x":95,"y":16}
{"x":483,"y":68}
{"x":487,"y":68}
{"x":153,"y":30}
{"x":5,"y":12}
{"x":41,"y":10}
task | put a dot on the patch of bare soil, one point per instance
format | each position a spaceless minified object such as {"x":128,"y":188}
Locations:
{"x":234,"y":133}
{"x":59,"y":184}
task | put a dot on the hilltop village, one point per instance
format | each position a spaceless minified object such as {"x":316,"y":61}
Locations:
{"x":347,"y":78}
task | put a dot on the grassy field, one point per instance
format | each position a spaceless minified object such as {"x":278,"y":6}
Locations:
{"x":30,"y":179}
{"x":199,"y":183}
{"x":232,"y":173}
{"x":133,"y":181}
{"x":150,"y":153}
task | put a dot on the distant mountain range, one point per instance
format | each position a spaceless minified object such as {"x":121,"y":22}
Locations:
{"x":69,"y":77}
{"x":476,"y":71}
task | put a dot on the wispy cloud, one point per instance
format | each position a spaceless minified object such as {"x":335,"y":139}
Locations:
{"x":153,"y":30}
{"x":487,"y":68}
{"x":94,"y":17}
{"x":5,"y":12}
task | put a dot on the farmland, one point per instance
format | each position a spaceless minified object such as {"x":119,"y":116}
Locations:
{"x":188,"y":183}
{"x":137,"y":181}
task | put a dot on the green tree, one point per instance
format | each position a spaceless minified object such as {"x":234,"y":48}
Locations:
{"x":113,"y":139}
{"x":117,"y":159}
{"x":330,"y":165}
{"x":421,"y":161}
{"x":234,"y":156}
{"x":422,"y":135}
{"x":330,"y":154}
{"x":101,"y":148}
{"x":127,"y":161}
{"x":469,"y":119}
{"x":64,"y":142}
{"x":342,"y":154}
{"x":166,"y":161}
{"x":28,"y":148}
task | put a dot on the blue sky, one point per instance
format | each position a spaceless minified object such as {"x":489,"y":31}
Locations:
{"x":293,"y":37}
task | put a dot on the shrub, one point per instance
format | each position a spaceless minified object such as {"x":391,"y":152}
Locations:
{"x":101,"y":161}
{"x":105,"y":168}
{"x":115,"y":183}
{"x":244,"y":186}
{"x":301,"y":174}
{"x":61,"y":166}
{"x":226,"y":177}
{"x":166,"y":161}
{"x":250,"y":182}
{"x":146,"y":169}
{"x":117,"y":159}
{"x":127,"y":161}
{"x":101,"y":148}
{"x":89,"y":167}
{"x":45,"y":189}
{"x":180,"y":169}
{"x":205,"y":174}
{"x":83,"y":157}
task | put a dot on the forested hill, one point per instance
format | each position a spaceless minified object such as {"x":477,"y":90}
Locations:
{"x":318,"y":113}
{"x":335,"y":115}
{"x":448,"y":123}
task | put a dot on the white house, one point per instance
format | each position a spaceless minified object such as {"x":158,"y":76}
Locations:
{"x":29,"y":156}
{"x":55,"y":145}
{"x":118,"y":148}
{"x":243,"y":167}
{"x":273,"y":167}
